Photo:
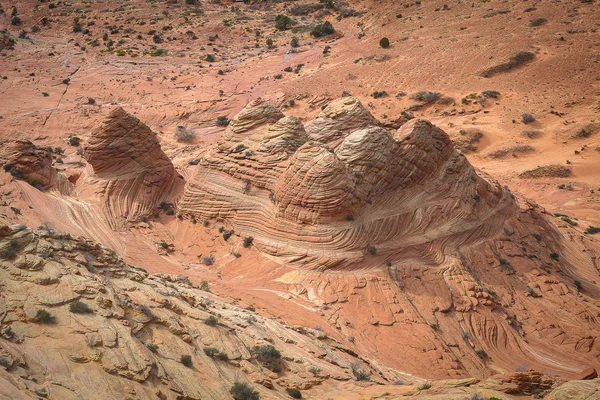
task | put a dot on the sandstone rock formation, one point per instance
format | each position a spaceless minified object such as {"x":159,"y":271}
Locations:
{"x":128,"y":168}
{"x":325,"y":197}
{"x":130,"y":340}
{"x":417,"y":246}
{"x":24,"y":160}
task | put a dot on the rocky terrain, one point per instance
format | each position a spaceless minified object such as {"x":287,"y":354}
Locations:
{"x":263,"y":200}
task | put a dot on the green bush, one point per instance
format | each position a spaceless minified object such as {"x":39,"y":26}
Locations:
{"x":222,"y":121}
{"x":324,"y":29}
{"x":152,"y":347}
{"x":384,"y":42}
{"x":211,"y":351}
{"x":554,"y":256}
{"x":186,"y":360}
{"x":269,"y":356}
{"x":79,"y":307}
{"x":592,"y":230}
{"x":243,"y":391}
{"x":211,"y":321}
{"x":10,"y":251}
{"x":283,"y":22}
{"x":44,"y":317}
{"x":294,"y":393}
{"x":248,"y":241}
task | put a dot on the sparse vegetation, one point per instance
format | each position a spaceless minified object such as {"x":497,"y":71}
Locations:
{"x":425,"y":96}
{"x":44,"y":317}
{"x":211,"y":320}
{"x":79,"y":307}
{"x":248,"y":241}
{"x":186,"y":360}
{"x":270,"y":357}
{"x":514,"y":150}
{"x":424,"y":386}
{"x":324,"y":29}
{"x":527,"y":118}
{"x":222,"y":121}
{"x":515,"y":61}
{"x":591,"y":230}
{"x":293,"y":393}
{"x":372,"y":250}
{"x":183,"y":134}
{"x":384,"y":43}
{"x":10,"y":250}
{"x":283,"y":22}
{"x":243,"y":391}
{"x":360,"y":374}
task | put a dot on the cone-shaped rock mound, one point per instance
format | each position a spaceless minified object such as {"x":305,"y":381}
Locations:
{"x":128,"y":167}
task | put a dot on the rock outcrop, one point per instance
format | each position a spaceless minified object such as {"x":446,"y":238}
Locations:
{"x":128,"y":168}
{"x":76,"y":321}
{"x":326,"y":196}
{"x":24,"y":160}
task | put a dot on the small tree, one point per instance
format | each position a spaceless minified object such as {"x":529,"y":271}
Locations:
{"x":384,"y":42}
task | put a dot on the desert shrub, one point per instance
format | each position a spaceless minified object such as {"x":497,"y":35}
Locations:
{"x":313,"y":369}
{"x":278,"y":76}
{"x":227,"y":234}
{"x":211,"y":351}
{"x":378,"y":94}
{"x":538,"y":22}
{"x":578,"y":285}
{"x":384,"y":43}
{"x":79,"y":307}
{"x":425,"y":96}
{"x":324,"y":29}
{"x":243,"y":391}
{"x":182,"y":134}
{"x":295,"y":42}
{"x":515,"y":61}
{"x":15,"y":20}
{"x":209,"y":58}
{"x":553,"y":170}
{"x":530,"y":133}
{"x":44,"y":317}
{"x":592,"y":230}
{"x":211,"y":320}
{"x":554,"y":256}
{"x":518,"y":148}
{"x":5,"y":363}
{"x":360,"y":374}
{"x":283,"y":22}
{"x":527,"y":118}
{"x":204,"y":286}
{"x":424,"y":386}
{"x":248,"y":241}
{"x":477,"y":396}
{"x":269,"y":43}
{"x":372,"y":250}
{"x":294,"y":393}
{"x":152,"y":347}
{"x":208,"y":260}
{"x":481,"y":354}
{"x":494,"y":94}
{"x":186,"y":360}
{"x":269,"y":356}
{"x":222,"y":121}
{"x":74,"y":141}
{"x":10,"y":250}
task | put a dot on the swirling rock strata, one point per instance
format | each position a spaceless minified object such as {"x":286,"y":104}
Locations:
{"x":128,"y":168}
{"x":323,"y":196}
